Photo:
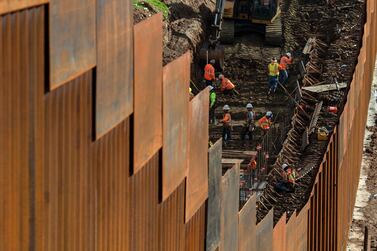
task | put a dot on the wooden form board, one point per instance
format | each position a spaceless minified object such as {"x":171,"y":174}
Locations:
{"x":147,"y":90}
{"x":197,"y":175}
{"x":214,"y":192}
{"x":72,"y":39}
{"x":230,"y":187}
{"x":176,"y":79}
{"x":7,"y":6}
{"x":114,"y":83}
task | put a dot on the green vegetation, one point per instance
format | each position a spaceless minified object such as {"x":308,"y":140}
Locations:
{"x":155,"y":3}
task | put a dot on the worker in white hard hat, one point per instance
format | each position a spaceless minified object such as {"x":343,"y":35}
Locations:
{"x":288,"y":181}
{"x":249,"y":123}
{"x":226,"y":121}
{"x":266,"y":121}
{"x":227,"y":87}
{"x":285,"y":61}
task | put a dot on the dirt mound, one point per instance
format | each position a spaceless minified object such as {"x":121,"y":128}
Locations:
{"x":186,"y":26}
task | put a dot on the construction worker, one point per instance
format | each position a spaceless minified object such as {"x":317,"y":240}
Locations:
{"x":209,"y":72}
{"x":288,"y":182}
{"x":212,"y":104}
{"x":191,"y":94}
{"x":266,"y":121}
{"x":273,"y":75}
{"x":252,"y":167}
{"x":227,"y":87}
{"x":285,"y":61}
{"x":249,"y":123}
{"x":227,"y":119}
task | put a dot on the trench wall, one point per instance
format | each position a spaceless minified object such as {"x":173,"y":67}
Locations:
{"x":89,"y":142}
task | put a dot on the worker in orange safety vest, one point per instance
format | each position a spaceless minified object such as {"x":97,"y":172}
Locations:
{"x":209,"y":72}
{"x":266,"y":121}
{"x":227,"y":87}
{"x":226,"y":121}
{"x":285,"y":61}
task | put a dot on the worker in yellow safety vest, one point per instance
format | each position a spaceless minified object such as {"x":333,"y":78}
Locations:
{"x":273,"y":75}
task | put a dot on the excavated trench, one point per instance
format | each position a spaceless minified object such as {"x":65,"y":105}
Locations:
{"x":338,"y":31}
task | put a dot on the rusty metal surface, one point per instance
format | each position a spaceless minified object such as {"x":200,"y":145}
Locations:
{"x":7,"y":6}
{"x":72,"y":39}
{"x":197,"y":174}
{"x":247,"y":226}
{"x":214,"y":193}
{"x":280,"y":234}
{"x":265,"y":233}
{"x":147,"y":90}
{"x":176,"y":79}
{"x":291,"y":233}
{"x":22,"y":71}
{"x":195,"y":231}
{"x":230,"y":186}
{"x":114,"y":72}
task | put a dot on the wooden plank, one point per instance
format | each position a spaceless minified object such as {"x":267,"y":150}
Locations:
{"x":324,"y":88}
{"x":72,"y":35}
{"x":176,"y":79}
{"x":7,"y":6}
{"x":147,"y":90}
{"x":114,"y":83}
{"x":197,"y":175}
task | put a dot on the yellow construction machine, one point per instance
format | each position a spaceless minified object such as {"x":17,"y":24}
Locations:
{"x":236,"y":16}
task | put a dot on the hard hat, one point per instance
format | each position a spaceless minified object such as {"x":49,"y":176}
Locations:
{"x":212,"y":61}
{"x":249,"y":106}
{"x":273,"y":59}
{"x":284,"y":166}
{"x":221,"y":76}
{"x":226,"y":108}
{"x":190,"y":90}
{"x":288,"y":54}
{"x":210,"y":87}
{"x":269,"y":114}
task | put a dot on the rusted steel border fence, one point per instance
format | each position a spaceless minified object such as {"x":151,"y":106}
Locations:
{"x":63,"y":189}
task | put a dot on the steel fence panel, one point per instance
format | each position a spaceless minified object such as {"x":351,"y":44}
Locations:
{"x":265,"y":232}
{"x":247,"y":226}
{"x":147,"y":90}
{"x":176,"y":79}
{"x":72,"y":40}
{"x":114,"y":72}
{"x":214,"y":192}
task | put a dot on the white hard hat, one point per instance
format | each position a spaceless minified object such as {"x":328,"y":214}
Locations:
{"x":221,"y":76}
{"x":210,"y":87}
{"x":269,"y":114}
{"x":288,"y":54}
{"x":284,"y":166}
{"x":212,"y":61}
{"x":249,"y":106}
{"x":226,"y":108}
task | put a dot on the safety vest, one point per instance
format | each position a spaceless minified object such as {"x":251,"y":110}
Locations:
{"x":284,"y":62}
{"x":209,"y":72}
{"x":226,"y":84}
{"x":212,"y":99}
{"x":226,"y":119}
{"x":291,"y":176}
{"x":273,"y":69}
{"x":253,"y":165}
{"x":264,"y":123}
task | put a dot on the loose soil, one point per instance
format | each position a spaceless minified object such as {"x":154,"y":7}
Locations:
{"x":186,"y":27}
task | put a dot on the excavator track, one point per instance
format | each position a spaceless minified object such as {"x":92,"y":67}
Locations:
{"x":227,"y":32}
{"x":274,"y":33}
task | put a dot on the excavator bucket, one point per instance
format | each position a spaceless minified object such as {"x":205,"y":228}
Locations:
{"x":216,"y":52}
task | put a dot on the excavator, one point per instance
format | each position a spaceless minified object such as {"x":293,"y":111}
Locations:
{"x":235,"y":16}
